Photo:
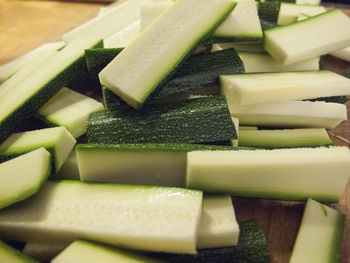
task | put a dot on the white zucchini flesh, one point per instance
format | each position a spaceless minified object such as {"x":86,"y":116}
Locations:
{"x":71,"y":110}
{"x":11,"y":255}
{"x":343,"y":54}
{"x":24,"y":72}
{"x":57,"y":140}
{"x":263,"y":62}
{"x":158,"y":50}
{"x":308,"y":2}
{"x":286,"y":174}
{"x":123,"y":37}
{"x":108,"y":23}
{"x":243,"y":22}
{"x":240,"y":47}
{"x":43,"y":252}
{"x":22,"y":177}
{"x":257,"y":88}
{"x":289,"y":12}
{"x":88,"y":252}
{"x":137,"y":217}
{"x":320,"y":235}
{"x":10,"y":68}
{"x":285,"y":138}
{"x":162,"y":168}
{"x":151,"y":10}
{"x":219,"y":227}
{"x":38,"y":81}
{"x":308,"y":38}
{"x":69,"y":169}
{"x":293,"y":114}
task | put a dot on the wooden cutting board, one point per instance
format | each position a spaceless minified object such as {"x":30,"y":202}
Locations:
{"x":25,"y":25}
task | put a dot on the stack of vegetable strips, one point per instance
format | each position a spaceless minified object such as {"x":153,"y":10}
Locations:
{"x":202,"y":101}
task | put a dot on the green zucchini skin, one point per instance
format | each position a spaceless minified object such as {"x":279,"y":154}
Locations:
{"x":251,"y":248}
{"x":198,"y":76}
{"x":98,"y":58}
{"x":266,"y":25}
{"x":346,"y":73}
{"x":28,"y":108}
{"x":195,"y":121}
{"x":269,"y":10}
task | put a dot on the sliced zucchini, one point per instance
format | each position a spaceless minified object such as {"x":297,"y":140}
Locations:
{"x":69,"y":169}
{"x":320,"y":235}
{"x":137,"y":217}
{"x":134,"y":80}
{"x":35,"y":62}
{"x":260,"y":88}
{"x":287,"y":138}
{"x":343,"y":54}
{"x":242,"y":25}
{"x":251,"y":248}
{"x":219,"y":227}
{"x":106,"y":24}
{"x":195,"y":121}
{"x":69,"y":109}
{"x":22,"y":101}
{"x":308,"y":38}
{"x":293,"y":114}
{"x":263,"y":62}
{"x":81,"y":251}
{"x":143,"y":164}
{"x":123,"y":37}
{"x":22,"y":177}
{"x":11,"y":255}
{"x":10,"y":68}
{"x":286,"y":174}
{"x":151,"y":10}
{"x":58,"y":141}
{"x":289,"y":12}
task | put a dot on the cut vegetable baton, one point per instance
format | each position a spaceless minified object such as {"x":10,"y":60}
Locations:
{"x":287,"y":174}
{"x":133,"y":80}
{"x":24,"y":100}
{"x":137,"y":217}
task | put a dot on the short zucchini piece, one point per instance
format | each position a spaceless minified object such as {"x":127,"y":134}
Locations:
{"x":58,"y":141}
{"x":242,"y":25}
{"x":308,"y":38}
{"x":82,"y":251}
{"x":195,"y":121}
{"x":35,"y":90}
{"x":219,"y":227}
{"x":320,"y":235}
{"x":9,"y":254}
{"x":161,"y":53}
{"x":143,"y":164}
{"x":136,"y":217}
{"x":69,"y":109}
{"x":293,"y":114}
{"x":286,"y":138}
{"x":263,"y":62}
{"x":257,"y":88}
{"x":286,"y":174}
{"x":22,"y":177}
{"x":106,"y":24}
{"x":251,"y":248}
{"x":289,"y":12}
{"x":9,"y":69}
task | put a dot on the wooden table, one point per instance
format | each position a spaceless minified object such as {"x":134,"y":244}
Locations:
{"x":26,"y":24}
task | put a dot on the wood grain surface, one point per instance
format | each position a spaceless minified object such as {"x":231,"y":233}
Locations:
{"x":25,"y":25}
